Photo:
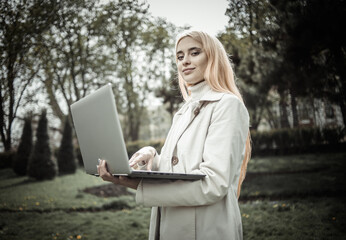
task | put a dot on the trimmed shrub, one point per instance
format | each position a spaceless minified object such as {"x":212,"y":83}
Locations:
{"x":79,"y":157}
{"x":41,"y":164}
{"x":297,"y":140}
{"x":6,"y":159}
{"x":20,"y":163}
{"x":66,"y":157}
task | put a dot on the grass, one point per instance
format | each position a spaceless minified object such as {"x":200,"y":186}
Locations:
{"x":295,"y":176}
{"x":293,"y":197}
{"x":62,"y":193}
{"x":313,"y":218}
{"x":77,"y":225}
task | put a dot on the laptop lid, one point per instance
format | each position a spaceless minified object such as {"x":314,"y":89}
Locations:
{"x":99,"y":131}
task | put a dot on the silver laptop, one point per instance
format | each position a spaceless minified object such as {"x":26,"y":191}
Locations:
{"x":100,"y":136}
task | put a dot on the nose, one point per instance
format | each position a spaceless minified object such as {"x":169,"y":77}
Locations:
{"x":186,"y":61}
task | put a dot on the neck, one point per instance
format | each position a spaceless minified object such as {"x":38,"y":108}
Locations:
{"x":196,"y":91}
{"x":189,"y":85}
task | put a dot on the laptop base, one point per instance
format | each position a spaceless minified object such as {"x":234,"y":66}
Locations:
{"x":160,"y":175}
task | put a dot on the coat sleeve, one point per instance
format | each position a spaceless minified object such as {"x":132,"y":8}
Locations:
{"x":222,"y":157}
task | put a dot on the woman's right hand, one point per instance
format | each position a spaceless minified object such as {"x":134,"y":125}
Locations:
{"x":143,"y":158}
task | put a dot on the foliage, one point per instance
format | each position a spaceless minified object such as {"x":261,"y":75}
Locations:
{"x":315,"y":47}
{"x":20,"y":163}
{"x":294,"y":48}
{"x":298,"y":140}
{"x":41,"y":165}
{"x":170,"y":92}
{"x":21,"y":26}
{"x":66,"y":156}
{"x":244,"y":41}
{"x":6,"y":159}
{"x":333,"y":135}
{"x":95,"y":43}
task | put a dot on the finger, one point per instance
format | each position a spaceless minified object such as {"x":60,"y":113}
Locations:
{"x":104,"y":165}
{"x":103,"y":162}
{"x":133,"y":157}
{"x":134,"y":161}
{"x":150,"y":164}
{"x":142,"y":159}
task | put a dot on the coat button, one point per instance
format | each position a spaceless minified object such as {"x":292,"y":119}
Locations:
{"x":175,"y":160}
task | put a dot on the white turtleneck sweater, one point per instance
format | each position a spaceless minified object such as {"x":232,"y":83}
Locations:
{"x":198,"y":90}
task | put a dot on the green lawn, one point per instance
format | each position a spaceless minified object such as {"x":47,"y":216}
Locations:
{"x":293,"y":197}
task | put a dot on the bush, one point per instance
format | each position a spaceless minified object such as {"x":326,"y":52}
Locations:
{"x":79,"y":156}
{"x":298,"y":140}
{"x":66,"y":157}
{"x":20,"y":163}
{"x":6,"y":159}
{"x":41,"y":164}
{"x":333,"y":135}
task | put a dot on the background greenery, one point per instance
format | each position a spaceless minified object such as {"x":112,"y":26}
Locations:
{"x":288,"y":197}
{"x":286,"y":55}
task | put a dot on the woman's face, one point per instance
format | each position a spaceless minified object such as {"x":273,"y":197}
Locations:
{"x":191,"y":61}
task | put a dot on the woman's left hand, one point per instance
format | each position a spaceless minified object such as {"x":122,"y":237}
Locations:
{"x":122,"y":180}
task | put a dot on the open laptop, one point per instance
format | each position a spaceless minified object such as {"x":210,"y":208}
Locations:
{"x":100,"y":136}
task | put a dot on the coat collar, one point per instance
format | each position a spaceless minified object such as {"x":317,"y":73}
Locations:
{"x":212,"y":96}
{"x":209,"y":96}
{"x":202,"y":92}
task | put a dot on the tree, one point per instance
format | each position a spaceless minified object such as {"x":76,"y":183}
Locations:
{"x":162,"y":34}
{"x":170,"y":91}
{"x":116,"y":42}
{"x":245,"y":41}
{"x":72,"y":63}
{"x":21,"y":25}
{"x":41,"y":164}
{"x":20,"y":163}
{"x":296,"y":48}
{"x":315,"y":48}
{"x":66,"y":156}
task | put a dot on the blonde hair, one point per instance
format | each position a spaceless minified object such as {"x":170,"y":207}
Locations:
{"x":219,"y":76}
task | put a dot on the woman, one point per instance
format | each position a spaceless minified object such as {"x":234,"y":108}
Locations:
{"x":209,"y":135}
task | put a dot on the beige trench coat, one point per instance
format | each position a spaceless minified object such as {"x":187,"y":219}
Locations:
{"x":209,"y":140}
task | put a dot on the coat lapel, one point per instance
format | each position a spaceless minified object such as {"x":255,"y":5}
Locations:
{"x":182,"y":120}
{"x":190,"y":113}
{"x":183,"y":123}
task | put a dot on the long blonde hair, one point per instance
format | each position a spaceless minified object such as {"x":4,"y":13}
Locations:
{"x":220,"y":77}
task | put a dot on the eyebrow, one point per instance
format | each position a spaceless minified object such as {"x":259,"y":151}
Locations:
{"x":189,"y":50}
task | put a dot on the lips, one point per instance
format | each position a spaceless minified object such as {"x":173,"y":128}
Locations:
{"x":188,"y":70}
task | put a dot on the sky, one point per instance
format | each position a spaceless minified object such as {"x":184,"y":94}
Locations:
{"x":206,"y":15}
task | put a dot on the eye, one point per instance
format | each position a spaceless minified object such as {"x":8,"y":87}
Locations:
{"x":196,"y":53}
{"x":180,"y":57}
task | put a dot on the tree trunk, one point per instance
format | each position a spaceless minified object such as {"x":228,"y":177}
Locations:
{"x":294,"y":108}
{"x":343,"y":111}
{"x":52,"y":99}
{"x":340,"y":67}
{"x":272,"y":120}
{"x":283,"y":112}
